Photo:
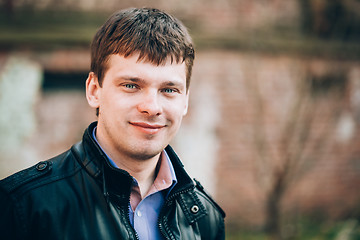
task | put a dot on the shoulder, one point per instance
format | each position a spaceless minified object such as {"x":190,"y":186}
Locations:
{"x":38,"y":175}
{"x":206,"y":199}
{"x":213,"y":225}
{"x":29,"y":192}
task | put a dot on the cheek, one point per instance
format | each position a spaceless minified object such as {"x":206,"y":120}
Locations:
{"x":176,"y":111}
{"x":113,"y":100}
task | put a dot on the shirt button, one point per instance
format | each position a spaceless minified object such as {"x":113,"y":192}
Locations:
{"x":138,"y":213}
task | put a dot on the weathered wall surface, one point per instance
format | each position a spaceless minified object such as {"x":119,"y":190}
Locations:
{"x":212,"y":14}
{"x":255,"y":97}
{"x":20,"y":83}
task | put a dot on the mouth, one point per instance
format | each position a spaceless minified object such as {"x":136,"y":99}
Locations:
{"x":147,"y":128}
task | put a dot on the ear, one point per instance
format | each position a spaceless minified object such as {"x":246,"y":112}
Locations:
{"x":93,"y":90}
{"x":186,"y":103}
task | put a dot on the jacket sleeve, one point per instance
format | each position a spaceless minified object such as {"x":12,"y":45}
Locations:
{"x":9,"y":218}
{"x":215,"y":215}
{"x":221,"y":230}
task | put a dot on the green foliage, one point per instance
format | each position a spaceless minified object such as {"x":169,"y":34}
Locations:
{"x":245,"y":235}
{"x":306,"y":229}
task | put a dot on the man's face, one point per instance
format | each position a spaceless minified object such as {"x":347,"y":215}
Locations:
{"x":141,"y":106}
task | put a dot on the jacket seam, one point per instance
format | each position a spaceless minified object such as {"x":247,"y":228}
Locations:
{"x":211,"y":201}
{"x":46,"y":181}
{"x":19,"y":215}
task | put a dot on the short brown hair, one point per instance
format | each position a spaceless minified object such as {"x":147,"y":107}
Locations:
{"x":153,"y":34}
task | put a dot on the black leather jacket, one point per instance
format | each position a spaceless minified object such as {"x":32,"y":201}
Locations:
{"x":78,"y":195}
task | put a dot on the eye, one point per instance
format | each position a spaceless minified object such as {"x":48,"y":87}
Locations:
{"x":130,"y":86}
{"x":168,"y":90}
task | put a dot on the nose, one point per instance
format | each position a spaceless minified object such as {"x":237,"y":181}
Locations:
{"x":150,"y":104}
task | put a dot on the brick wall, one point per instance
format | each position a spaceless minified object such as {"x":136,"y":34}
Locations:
{"x":258,"y":97}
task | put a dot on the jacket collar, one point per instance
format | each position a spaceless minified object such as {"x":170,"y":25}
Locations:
{"x":96,"y":163}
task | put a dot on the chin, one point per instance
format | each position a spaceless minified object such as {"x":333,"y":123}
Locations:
{"x":145,"y":154}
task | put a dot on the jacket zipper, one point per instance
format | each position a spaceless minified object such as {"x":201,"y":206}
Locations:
{"x":128,"y":220}
{"x":127,"y":213}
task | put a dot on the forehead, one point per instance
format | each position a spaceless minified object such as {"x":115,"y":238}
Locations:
{"x":145,"y":59}
{"x":132,"y":66}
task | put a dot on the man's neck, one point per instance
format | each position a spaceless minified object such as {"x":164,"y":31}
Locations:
{"x":144,"y":171}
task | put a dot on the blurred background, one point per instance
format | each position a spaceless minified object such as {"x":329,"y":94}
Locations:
{"x":273,"y":129}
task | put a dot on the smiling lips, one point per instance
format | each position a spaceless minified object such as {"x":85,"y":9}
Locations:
{"x":147,"y":128}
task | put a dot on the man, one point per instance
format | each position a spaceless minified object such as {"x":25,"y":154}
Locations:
{"x":122,"y":181}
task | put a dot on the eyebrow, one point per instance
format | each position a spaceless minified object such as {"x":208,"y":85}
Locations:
{"x":173,"y":83}
{"x":133,"y":79}
{"x":166,"y":83}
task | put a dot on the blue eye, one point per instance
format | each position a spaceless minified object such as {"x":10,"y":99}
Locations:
{"x":130,"y":86}
{"x":168,"y":90}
